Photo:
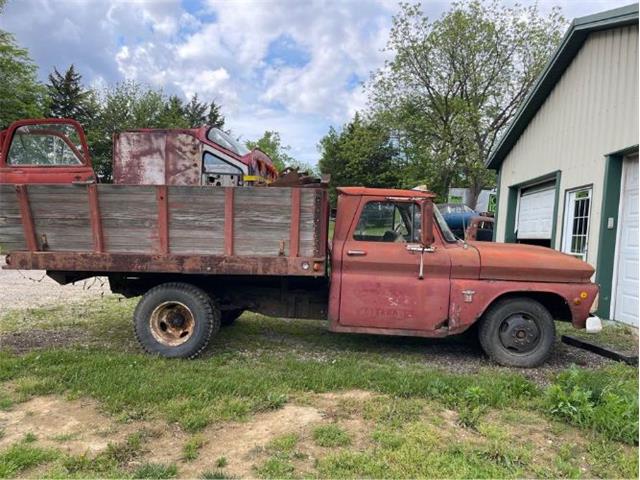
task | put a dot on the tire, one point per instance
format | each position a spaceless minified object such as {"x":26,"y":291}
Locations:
{"x":175,"y":320}
{"x":228,"y":317}
{"x":517,"y":332}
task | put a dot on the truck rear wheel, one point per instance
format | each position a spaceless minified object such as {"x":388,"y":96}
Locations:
{"x":517,"y":332}
{"x":176,"y":320}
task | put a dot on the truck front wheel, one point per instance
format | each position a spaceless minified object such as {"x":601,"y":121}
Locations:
{"x":176,"y":320}
{"x":517,"y":332}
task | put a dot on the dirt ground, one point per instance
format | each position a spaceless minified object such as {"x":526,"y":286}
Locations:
{"x":78,"y":427}
{"x":32,"y":288}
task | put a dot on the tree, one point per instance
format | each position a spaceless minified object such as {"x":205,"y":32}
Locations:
{"x":68,"y":98}
{"x":362,"y":153}
{"x":195,"y":112}
{"x":215,"y":117}
{"x":21,"y":95}
{"x":271,"y":144}
{"x":174,"y":114}
{"x":454,"y":84}
{"x":124,"y":106}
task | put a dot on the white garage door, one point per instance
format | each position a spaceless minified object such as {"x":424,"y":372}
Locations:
{"x":535,"y":213}
{"x":625,"y":308}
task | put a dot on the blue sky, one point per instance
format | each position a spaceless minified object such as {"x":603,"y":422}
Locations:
{"x":294,"y":66}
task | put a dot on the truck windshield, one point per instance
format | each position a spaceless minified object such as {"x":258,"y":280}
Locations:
{"x":444,"y":228}
{"x":226,"y":141}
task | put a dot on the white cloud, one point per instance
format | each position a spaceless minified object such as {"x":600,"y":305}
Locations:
{"x":220,"y":50}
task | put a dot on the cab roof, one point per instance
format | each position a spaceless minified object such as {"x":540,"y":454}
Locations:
{"x":385,"y":192}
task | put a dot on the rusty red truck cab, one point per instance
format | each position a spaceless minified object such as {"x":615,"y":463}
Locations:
{"x":391,"y":274}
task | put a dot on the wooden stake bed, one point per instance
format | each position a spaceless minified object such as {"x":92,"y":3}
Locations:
{"x":144,"y":228}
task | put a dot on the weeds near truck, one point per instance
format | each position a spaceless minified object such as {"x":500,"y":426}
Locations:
{"x":404,"y":419}
{"x":591,"y":400}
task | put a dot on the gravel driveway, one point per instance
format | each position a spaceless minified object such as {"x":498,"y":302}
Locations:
{"x":32,"y":288}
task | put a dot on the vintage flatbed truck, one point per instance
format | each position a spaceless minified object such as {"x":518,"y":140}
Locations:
{"x":201,"y":255}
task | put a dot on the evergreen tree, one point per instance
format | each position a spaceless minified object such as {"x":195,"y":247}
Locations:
{"x":215,"y":117}
{"x":195,"y":112}
{"x":67,"y":97}
{"x":173,"y":114}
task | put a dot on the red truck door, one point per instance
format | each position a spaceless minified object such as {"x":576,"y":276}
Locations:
{"x":380,"y":285}
{"x":50,"y":150}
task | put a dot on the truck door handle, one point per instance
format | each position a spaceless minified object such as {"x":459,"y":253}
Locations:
{"x":356,"y":253}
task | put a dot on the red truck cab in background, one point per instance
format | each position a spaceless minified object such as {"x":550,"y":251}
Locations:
{"x":50,"y":150}
{"x":54,"y":150}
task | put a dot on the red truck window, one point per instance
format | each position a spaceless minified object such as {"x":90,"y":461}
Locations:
{"x":388,"y":222}
{"x":48,"y":144}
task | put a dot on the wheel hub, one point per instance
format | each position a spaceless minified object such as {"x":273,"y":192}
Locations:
{"x":172,"y":323}
{"x":519,"y":333}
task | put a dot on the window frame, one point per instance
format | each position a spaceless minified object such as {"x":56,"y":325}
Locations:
{"x":568,"y":221}
{"x":416,"y":205}
{"x":80,"y":152}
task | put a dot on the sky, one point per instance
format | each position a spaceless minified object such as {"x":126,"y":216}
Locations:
{"x":294,"y":66}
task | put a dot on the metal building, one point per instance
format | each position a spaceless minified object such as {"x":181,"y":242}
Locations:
{"x":568,"y":162}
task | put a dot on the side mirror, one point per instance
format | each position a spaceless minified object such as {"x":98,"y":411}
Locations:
{"x":427,"y":223}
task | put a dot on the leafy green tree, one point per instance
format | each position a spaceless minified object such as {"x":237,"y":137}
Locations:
{"x":195,"y":112}
{"x":363,"y":153}
{"x":126,"y":105}
{"x":215,"y":117}
{"x":454,"y":83}
{"x":68,"y":98}
{"x":21,"y":95}
{"x":271,"y":144}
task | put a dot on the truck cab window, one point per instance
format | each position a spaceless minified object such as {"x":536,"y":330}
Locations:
{"x":45,"y":144}
{"x":388,"y":222}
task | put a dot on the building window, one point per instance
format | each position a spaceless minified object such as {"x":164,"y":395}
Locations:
{"x":576,"y":222}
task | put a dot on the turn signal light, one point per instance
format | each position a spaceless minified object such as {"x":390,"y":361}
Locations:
{"x":584,"y":295}
{"x":577,"y":301}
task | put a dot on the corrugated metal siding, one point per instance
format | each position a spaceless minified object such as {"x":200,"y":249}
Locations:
{"x":592,"y":111}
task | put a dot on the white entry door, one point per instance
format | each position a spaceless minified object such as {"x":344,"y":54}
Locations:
{"x":625,"y":308}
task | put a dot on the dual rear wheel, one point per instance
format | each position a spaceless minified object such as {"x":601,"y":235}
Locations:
{"x":177,"y":320}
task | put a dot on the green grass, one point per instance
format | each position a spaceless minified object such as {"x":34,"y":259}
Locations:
{"x":21,"y":456}
{"x":155,"y":470}
{"x":191,"y":449}
{"x":260,"y":364}
{"x":331,"y":435}
{"x":614,"y":335}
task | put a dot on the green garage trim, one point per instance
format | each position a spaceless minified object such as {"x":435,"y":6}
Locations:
{"x":512,"y":205}
{"x":607,"y":236}
{"x":495,"y":214}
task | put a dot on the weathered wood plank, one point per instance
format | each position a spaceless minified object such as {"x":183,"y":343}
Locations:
{"x":129,"y":217}
{"x":61,"y":217}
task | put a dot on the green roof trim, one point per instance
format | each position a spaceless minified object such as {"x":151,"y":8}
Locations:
{"x":569,"y":47}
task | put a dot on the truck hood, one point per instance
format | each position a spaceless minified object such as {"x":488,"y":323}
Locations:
{"x":511,"y":261}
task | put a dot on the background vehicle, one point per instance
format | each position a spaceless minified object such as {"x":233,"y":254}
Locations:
{"x":200,"y":255}
{"x":466,"y":223}
{"x":197,"y":156}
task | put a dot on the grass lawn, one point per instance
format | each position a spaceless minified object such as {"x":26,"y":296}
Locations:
{"x":286,"y":399}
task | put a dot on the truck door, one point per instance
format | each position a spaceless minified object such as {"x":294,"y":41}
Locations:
{"x":45,"y":151}
{"x":380,"y":285}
